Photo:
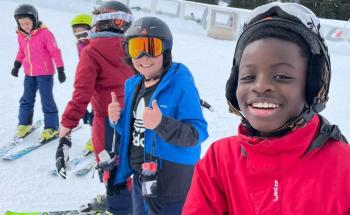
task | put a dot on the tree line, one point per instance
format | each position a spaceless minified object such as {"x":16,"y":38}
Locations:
{"x":329,"y":9}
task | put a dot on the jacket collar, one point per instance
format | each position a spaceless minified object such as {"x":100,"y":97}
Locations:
{"x":107,"y":34}
{"x":267,"y":154}
{"x":32,"y":33}
{"x":176,"y":72}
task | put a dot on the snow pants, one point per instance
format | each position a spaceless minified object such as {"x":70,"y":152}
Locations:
{"x":140,"y":206}
{"x":44,"y":84}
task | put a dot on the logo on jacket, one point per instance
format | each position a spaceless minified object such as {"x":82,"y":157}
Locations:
{"x":138,"y":134}
{"x":275,"y":191}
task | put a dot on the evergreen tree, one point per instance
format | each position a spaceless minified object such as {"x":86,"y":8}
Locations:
{"x":248,"y":4}
{"x":329,"y":9}
{"x":215,"y":2}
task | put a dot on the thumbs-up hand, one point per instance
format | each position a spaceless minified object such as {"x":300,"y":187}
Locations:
{"x":114,"y":109}
{"x":152,"y":116}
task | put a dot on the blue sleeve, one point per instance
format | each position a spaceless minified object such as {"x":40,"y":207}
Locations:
{"x":189,"y":127}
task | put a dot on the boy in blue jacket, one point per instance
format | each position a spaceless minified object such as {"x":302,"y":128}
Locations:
{"x":161,"y":126}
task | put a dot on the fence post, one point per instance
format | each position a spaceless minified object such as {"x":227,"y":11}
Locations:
{"x":181,"y":9}
{"x":127,"y":2}
{"x":153,"y":6}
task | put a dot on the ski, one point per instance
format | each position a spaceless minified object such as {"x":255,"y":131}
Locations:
{"x":71,"y":212}
{"x":77,"y":165}
{"x":70,"y":164}
{"x":84,"y":169}
{"x":26,"y":150}
{"x":22,"y":152}
{"x":15,"y":141}
{"x":64,"y":212}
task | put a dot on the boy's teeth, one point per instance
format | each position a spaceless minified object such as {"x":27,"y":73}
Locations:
{"x":264,"y":105}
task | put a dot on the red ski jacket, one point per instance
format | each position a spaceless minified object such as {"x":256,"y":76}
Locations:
{"x":100,"y":71}
{"x":253,"y":176}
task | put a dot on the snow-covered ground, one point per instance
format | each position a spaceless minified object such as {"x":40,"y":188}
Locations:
{"x":25,"y":183}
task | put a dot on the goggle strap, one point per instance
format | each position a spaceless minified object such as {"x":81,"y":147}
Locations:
{"x":115,"y":15}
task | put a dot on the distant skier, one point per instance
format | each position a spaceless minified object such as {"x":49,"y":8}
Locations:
{"x":81,"y":27}
{"x":161,"y":126}
{"x":101,"y":70}
{"x":37,"y":51}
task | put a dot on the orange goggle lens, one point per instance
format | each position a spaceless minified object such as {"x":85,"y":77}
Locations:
{"x":150,"y":46}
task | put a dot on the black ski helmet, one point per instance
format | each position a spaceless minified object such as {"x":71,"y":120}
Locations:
{"x":150,"y":26}
{"x":119,"y":23}
{"x":27,"y":10}
{"x":299,"y":20}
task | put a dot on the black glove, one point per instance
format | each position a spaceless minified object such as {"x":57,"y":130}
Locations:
{"x":15,"y":68}
{"x":61,"y":75}
{"x":88,"y":117}
{"x":206,"y":105}
{"x":62,"y":155}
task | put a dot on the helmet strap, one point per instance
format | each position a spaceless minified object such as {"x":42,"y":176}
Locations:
{"x":155,"y":78}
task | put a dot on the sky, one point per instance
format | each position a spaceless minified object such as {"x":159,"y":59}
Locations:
{"x":25,"y":184}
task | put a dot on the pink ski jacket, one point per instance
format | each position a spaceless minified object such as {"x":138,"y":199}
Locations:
{"x":37,"y":51}
{"x":244,"y":175}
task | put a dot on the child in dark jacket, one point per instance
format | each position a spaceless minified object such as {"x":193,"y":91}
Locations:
{"x":161,"y":126}
{"x":287,"y":158}
{"x":37,"y":49}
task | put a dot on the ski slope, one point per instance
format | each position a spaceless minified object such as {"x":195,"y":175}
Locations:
{"x":25,"y":184}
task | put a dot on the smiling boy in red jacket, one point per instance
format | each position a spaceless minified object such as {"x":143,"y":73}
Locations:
{"x":287,"y":159}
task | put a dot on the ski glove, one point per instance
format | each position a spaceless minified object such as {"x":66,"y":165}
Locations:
{"x":15,"y":68}
{"x":61,"y":74}
{"x":62,"y":155}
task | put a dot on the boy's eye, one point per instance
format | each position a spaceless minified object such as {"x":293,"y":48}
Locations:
{"x":247,"y":77}
{"x":282,"y":77}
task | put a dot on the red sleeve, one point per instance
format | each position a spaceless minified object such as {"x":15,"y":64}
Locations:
{"x":84,"y":84}
{"x":206,"y":195}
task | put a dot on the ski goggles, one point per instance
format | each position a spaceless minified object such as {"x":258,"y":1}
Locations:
{"x":291,"y":11}
{"x":120,"y":15}
{"x":140,"y":46}
{"x":82,"y":34}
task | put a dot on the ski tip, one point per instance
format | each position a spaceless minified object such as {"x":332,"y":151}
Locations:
{"x":21,"y":213}
{"x":8,"y":158}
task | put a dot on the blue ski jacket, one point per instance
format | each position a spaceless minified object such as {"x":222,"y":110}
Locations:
{"x":177,"y":98}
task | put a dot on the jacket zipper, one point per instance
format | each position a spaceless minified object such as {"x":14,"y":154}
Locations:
{"x":28,"y":54}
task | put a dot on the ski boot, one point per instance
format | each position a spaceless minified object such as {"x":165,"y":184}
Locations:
{"x":23,"y":130}
{"x":98,"y":205}
{"x":88,"y":148}
{"x":48,"y":134}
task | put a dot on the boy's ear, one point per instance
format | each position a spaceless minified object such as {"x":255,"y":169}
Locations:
{"x":125,"y":46}
{"x":231,"y":86}
{"x":315,"y":83}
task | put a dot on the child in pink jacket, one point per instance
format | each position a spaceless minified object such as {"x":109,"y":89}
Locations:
{"x":37,"y":51}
